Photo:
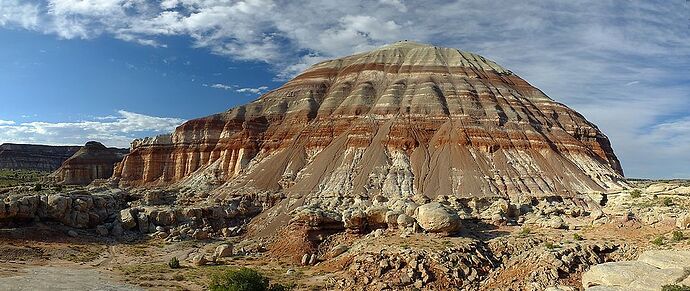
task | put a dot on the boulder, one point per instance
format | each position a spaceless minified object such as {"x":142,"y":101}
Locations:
{"x":127,"y":218}
{"x":199,"y":260}
{"x":631,"y":275}
{"x":376,"y":217}
{"x":338,"y":250}
{"x":555,"y":222}
{"x":143,"y":222}
{"x":314,"y":216}
{"x":666,"y":259}
{"x":223,"y":251}
{"x":683,"y":221}
{"x":392,"y":218}
{"x":437,"y":218}
{"x":405,"y":221}
{"x":355,"y":220}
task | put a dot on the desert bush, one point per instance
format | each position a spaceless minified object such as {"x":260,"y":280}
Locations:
{"x":38,"y":187}
{"x":636,"y":193}
{"x":550,"y":245}
{"x":577,"y":236}
{"x":243,"y":279}
{"x":659,"y":240}
{"x":174,"y":263}
{"x":525,"y":231}
{"x":667,"y":201}
{"x":677,"y":235}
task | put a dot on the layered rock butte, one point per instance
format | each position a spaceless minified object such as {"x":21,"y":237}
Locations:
{"x":93,"y":161}
{"x":401,"y":120}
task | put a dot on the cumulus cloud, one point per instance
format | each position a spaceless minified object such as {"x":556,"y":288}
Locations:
{"x":258,"y":90}
{"x":622,"y":64}
{"x":236,"y":88}
{"x":111,"y":130}
{"x":6,"y":122}
{"x":16,"y":13}
{"x":221,"y":86}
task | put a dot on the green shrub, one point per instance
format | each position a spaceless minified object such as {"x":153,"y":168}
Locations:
{"x":243,"y":279}
{"x":38,"y":187}
{"x":667,"y":201}
{"x":174,"y":263}
{"x":636,"y":193}
{"x":550,"y":245}
{"x":677,"y":235}
{"x":525,"y":231}
{"x":675,"y":288}
{"x":659,"y":241}
{"x":577,"y":236}
{"x":178,"y":277}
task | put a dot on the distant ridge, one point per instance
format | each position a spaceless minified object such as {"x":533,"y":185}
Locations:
{"x":44,"y":158}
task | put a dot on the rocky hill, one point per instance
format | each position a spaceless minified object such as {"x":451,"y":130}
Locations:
{"x":34,"y":157}
{"x":93,"y":161}
{"x":401,"y":120}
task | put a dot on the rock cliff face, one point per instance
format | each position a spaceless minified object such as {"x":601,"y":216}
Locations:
{"x":398,"y":121}
{"x":93,"y":161}
{"x":34,"y":157}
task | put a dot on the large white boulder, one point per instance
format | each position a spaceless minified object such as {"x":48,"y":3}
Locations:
{"x":437,"y":218}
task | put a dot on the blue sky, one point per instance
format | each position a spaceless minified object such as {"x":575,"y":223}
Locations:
{"x":114,"y":70}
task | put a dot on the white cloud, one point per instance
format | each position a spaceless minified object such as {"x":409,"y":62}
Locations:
{"x":223,"y":86}
{"x":236,"y":88}
{"x":6,"y":122}
{"x":15,"y":13}
{"x":111,"y":130}
{"x":258,"y":90}
{"x":624,"y":66}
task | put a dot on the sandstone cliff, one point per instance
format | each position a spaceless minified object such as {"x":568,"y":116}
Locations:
{"x":34,"y":157}
{"x":401,"y":120}
{"x":93,"y":161}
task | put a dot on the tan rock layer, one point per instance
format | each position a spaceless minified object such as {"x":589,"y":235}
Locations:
{"x":400,"y":120}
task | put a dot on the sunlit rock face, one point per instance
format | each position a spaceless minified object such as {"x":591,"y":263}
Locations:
{"x":401,"y":120}
{"x":93,"y":161}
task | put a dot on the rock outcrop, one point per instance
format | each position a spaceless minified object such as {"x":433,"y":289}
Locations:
{"x":93,"y":161}
{"x":77,"y":209}
{"x":404,"y":119}
{"x":34,"y":157}
{"x":651,"y":271}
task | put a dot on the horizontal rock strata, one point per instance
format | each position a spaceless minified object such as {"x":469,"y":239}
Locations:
{"x":93,"y":161}
{"x":398,"y":121}
{"x":34,"y":157}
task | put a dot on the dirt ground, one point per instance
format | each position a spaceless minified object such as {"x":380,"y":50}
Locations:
{"x":43,"y":257}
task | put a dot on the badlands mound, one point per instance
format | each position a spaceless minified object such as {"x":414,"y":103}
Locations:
{"x":401,"y":120}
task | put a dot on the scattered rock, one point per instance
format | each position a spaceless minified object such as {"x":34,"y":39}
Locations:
{"x":223,"y":251}
{"x":305,"y":259}
{"x":127,"y":218}
{"x":436,"y":218}
{"x":199,"y":260}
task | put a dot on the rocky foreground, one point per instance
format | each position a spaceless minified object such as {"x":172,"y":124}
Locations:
{"x":549,"y":243}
